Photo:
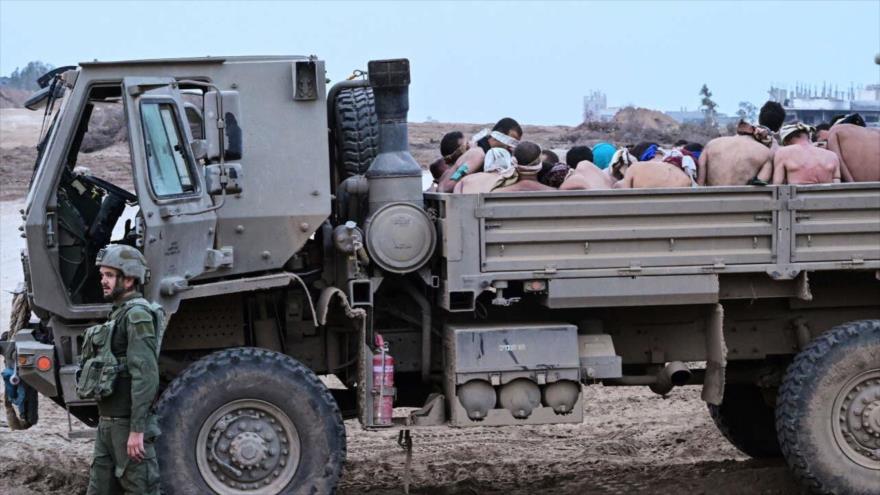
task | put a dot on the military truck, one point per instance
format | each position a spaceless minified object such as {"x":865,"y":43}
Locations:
{"x":289,"y":237}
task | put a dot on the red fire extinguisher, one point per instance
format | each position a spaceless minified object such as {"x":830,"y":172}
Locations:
{"x":383,"y":384}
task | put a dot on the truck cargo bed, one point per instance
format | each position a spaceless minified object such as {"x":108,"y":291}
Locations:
{"x":779,"y":231}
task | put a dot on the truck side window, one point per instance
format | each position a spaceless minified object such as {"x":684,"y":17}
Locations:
{"x":168,"y":163}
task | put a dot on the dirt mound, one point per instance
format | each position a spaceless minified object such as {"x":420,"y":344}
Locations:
{"x":643,"y":118}
{"x":12,"y":97}
{"x":106,"y":128}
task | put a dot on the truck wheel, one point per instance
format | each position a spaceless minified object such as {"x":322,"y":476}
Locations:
{"x":249,"y":421}
{"x":745,"y":419}
{"x":828,"y":411}
{"x":357,"y":131}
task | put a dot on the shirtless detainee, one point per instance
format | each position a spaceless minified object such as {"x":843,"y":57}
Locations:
{"x":737,"y":160}
{"x":653,"y":174}
{"x":586,"y":175}
{"x":858,"y":149}
{"x":508,"y":179}
{"x":452,"y":146}
{"x":505,"y":134}
{"x":528,"y":164}
{"x":734,"y":161}
{"x":798,"y":161}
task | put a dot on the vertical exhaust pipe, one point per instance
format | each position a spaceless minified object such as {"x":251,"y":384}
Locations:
{"x":394,"y":174}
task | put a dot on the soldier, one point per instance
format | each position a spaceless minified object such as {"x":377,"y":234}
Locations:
{"x":120,"y":371}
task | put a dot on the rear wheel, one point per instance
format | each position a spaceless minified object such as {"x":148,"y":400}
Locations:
{"x":828,"y":411}
{"x":249,"y":421}
{"x":747,"y":421}
{"x":356,"y":131}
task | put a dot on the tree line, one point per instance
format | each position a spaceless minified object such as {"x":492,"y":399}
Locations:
{"x":26,"y":78}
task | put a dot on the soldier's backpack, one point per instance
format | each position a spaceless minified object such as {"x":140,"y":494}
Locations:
{"x":100,"y":369}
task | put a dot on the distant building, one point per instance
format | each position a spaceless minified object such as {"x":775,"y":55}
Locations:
{"x":813,"y":105}
{"x":596,"y":108}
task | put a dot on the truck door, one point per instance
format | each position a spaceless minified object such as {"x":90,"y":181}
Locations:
{"x":176,"y":218}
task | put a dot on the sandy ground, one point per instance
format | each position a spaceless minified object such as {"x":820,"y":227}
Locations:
{"x":631,"y":441}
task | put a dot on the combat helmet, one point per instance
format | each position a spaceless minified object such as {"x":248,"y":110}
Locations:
{"x":126,"y":259}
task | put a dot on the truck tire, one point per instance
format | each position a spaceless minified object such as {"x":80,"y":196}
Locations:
{"x":828,"y":411}
{"x":745,"y":419}
{"x":249,"y":420}
{"x":356,"y":131}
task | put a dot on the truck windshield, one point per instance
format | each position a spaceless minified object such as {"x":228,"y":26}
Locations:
{"x":170,"y":173}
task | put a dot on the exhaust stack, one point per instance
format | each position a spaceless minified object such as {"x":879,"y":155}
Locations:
{"x":394,"y":174}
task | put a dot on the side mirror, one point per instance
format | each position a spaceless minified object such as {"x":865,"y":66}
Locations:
{"x":199,"y":149}
{"x":232,"y":137}
{"x":195,"y":120}
{"x":216,"y":182}
{"x":38,"y":99}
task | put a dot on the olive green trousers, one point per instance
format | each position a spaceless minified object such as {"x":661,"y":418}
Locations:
{"x":112,"y":472}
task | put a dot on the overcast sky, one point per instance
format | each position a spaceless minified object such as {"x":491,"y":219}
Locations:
{"x":476,"y":62}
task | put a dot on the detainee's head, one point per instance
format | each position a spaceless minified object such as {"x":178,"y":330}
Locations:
{"x":645,"y":151}
{"x":557,"y":175}
{"x":452,"y":146}
{"x":822,"y":132}
{"x":794,"y":134}
{"x":772,"y":116}
{"x":527,"y":153}
{"x":578,"y":154}
{"x":510,"y":127}
{"x":506,"y":127}
{"x":437,"y":168}
{"x":549,"y":157}
{"x":602,"y":153}
{"x":694,"y":147}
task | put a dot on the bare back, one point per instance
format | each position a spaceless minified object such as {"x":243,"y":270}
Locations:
{"x":858,"y":149}
{"x":732,"y":161}
{"x":653,"y":174}
{"x":480,"y":182}
{"x":524,"y":186}
{"x":595,"y":176}
{"x":805,"y":164}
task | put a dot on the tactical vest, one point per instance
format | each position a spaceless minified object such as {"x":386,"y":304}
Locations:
{"x":97,"y":377}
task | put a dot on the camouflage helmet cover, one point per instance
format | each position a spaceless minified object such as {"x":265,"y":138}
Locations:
{"x":126,"y":259}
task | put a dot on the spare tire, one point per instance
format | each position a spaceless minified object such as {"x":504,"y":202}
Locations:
{"x":356,"y":131}
{"x":249,"y":420}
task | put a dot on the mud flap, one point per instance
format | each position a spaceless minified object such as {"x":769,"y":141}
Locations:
{"x":716,"y":357}
{"x":358,"y":316}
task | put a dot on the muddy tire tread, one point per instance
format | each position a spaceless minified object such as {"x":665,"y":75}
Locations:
{"x":788,"y":410}
{"x":194,"y":375}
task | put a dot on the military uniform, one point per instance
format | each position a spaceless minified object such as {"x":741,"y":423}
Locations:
{"x":134,"y":331}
